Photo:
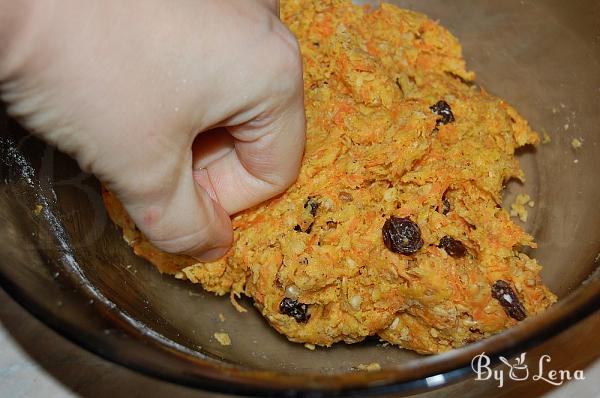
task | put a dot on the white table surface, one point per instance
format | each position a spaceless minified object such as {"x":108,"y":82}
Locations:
{"x":36,"y":362}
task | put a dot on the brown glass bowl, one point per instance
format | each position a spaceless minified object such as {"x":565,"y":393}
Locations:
{"x":63,"y":259}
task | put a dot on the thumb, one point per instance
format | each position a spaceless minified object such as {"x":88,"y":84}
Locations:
{"x":182,"y":217}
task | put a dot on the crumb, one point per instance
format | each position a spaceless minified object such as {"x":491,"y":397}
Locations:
{"x":221,"y":317}
{"x":576,"y":161}
{"x":517,"y":209}
{"x":38,"y":210}
{"x":179,"y":275}
{"x":577,"y":143}
{"x":223,"y":339}
{"x":310,"y":346}
{"x":566,"y":126}
{"x":554,"y":111}
{"x":372,"y":367}
{"x":545,"y":138}
{"x":234,"y":302}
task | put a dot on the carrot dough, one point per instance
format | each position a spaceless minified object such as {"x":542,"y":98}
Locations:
{"x":397,"y":132}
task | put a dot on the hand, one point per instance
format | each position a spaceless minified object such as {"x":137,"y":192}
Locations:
{"x":188,"y":110}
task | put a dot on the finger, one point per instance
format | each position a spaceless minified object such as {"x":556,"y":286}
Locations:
{"x":261,"y":160}
{"x":181,"y":217}
{"x":268,"y":132}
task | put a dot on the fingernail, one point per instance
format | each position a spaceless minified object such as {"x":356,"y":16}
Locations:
{"x":211,"y":254}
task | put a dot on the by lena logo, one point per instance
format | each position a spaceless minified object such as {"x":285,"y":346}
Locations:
{"x":520,"y":371}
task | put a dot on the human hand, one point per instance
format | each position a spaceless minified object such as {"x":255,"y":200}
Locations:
{"x":188,"y":110}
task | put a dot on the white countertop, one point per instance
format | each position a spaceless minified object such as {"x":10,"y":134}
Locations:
{"x":36,"y":362}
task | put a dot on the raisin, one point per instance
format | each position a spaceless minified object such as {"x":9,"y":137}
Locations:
{"x":441,"y":108}
{"x":310,"y":227}
{"x":313,"y":204}
{"x":453,"y":247}
{"x":401,"y":235}
{"x":507,"y":297}
{"x":331,"y":224}
{"x":294,"y":309}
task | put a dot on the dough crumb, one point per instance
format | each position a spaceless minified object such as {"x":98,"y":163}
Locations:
{"x":310,"y":346}
{"x":518,"y":209}
{"x":236,"y":305}
{"x":179,"y":275}
{"x":221,"y":317}
{"x":38,"y":210}
{"x":223,"y":339}
{"x":372,"y":367}
{"x":546,"y":138}
{"x":577,"y":143}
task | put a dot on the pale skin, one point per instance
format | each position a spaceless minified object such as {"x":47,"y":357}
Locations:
{"x":189,"y":110}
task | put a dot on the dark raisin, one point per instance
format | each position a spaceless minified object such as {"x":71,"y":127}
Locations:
{"x":294,"y":309}
{"x":401,"y":235}
{"x":331,"y":224}
{"x":441,"y":108}
{"x":453,"y":247}
{"x":313,"y":204}
{"x":505,"y":294}
{"x":310,"y":227}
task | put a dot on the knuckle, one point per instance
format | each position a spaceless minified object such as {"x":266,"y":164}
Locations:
{"x":287,"y":59}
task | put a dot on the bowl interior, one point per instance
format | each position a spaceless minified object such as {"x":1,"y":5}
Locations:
{"x":543,"y":57}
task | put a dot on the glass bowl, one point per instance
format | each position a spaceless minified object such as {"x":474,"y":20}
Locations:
{"x":66,"y":262}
